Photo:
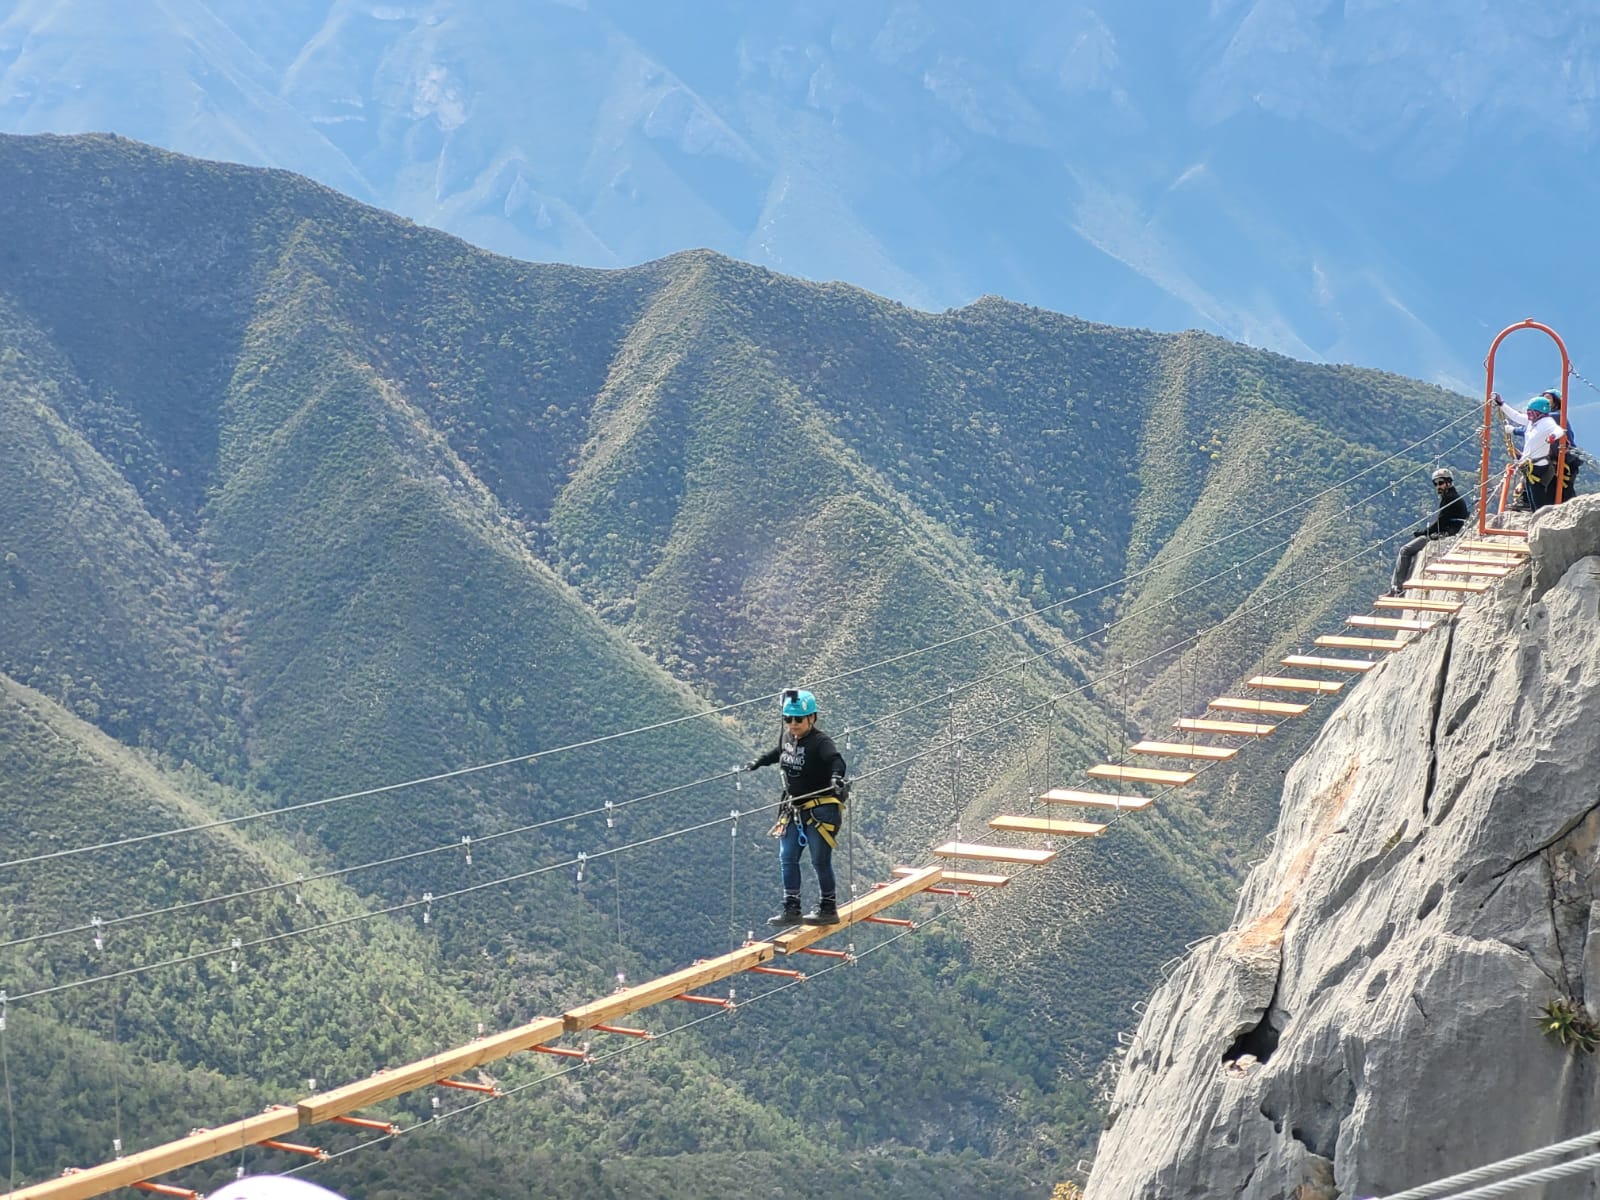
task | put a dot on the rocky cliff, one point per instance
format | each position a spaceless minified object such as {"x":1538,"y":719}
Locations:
{"x":1370,"y":1020}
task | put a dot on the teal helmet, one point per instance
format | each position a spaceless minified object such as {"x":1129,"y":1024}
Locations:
{"x":1539,"y":404}
{"x":1553,"y":396}
{"x":797,"y":703}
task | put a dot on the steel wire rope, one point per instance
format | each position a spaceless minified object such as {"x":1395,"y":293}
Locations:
{"x":716,"y":710}
{"x":1117,"y":816}
{"x":1228,"y":620}
{"x":336,"y":872}
{"x":404,"y":905}
{"x":353,"y":918}
{"x":5,"y":1069}
{"x":1145,"y":607}
{"x":627,"y":1047}
{"x":521,"y":875}
{"x":1440,"y":1187}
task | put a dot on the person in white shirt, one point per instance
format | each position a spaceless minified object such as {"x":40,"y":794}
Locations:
{"x":1541,"y":438}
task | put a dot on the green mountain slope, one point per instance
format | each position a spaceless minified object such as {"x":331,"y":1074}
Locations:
{"x":319,"y":501}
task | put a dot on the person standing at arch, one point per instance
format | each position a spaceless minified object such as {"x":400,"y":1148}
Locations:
{"x":812,"y":812}
{"x":1541,"y":438}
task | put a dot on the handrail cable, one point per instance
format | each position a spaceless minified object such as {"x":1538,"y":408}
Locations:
{"x":732,"y":706}
{"x":1136,"y":611}
{"x":408,"y":904}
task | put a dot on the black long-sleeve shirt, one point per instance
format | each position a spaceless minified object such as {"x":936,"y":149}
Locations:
{"x":1450,"y":517}
{"x":809,"y":764}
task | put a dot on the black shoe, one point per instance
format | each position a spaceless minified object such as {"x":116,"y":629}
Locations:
{"x":827,"y":914}
{"x":789,"y":916}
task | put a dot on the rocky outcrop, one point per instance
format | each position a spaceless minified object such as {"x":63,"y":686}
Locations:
{"x":1368,"y":1023}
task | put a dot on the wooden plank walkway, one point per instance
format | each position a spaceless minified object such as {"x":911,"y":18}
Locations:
{"x":1407,"y":625}
{"x":1008,"y":854}
{"x":1141,"y":774}
{"x":1050,"y":826}
{"x":1127,"y":802}
{"x":1320,"y":663}
{"x":1335,"y":642}
{"x":1284,"y":683}
{"x":1185,"y":750}
{"x":1417,"y":604}
{"x":1230,"y":728}
{"x":1244,"y":704}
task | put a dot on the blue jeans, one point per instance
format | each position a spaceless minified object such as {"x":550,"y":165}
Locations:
{"x":821,"y":852}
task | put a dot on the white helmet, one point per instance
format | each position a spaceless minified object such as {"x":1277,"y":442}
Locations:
{"x":1444,"y":474}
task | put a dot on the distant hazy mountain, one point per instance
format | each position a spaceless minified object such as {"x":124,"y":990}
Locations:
{"x":1379,"y":184}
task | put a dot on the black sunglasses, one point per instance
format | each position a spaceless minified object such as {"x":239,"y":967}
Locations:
{"x":794,"y":720}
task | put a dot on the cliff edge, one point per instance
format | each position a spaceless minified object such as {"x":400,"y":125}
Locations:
{"x":1369,"y":1022}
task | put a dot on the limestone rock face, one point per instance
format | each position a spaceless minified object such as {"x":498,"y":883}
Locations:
{"x":1368,"y":1023}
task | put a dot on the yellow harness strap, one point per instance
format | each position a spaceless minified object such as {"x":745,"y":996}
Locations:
{"x":827,"y":829}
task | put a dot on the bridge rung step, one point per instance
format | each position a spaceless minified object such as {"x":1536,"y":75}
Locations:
{"x":965,"y":878}
{"x":1418,"y":604}
{"x":1051,"y":827}
{"x":1518,"y":547}
{"x":1010,"y":854}
{"x":1185,"y":750}
{"x":1231,"y":728}
{"x":1245,"y":704}
{"x":1443,"y":585}
{"x":1335,"y":642}
{"x":1317,"y":662}
{"x":1488,"y":558}
{"x":1477,"y":569}
{"x":1095,"y":800}
{"x":1285,"y":684}
{"x":1141,"y":774}
{"x":1362,"y":621}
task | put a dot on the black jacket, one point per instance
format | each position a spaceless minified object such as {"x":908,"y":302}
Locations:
{"x":810,"y":765}
{"x":1450,"y":517}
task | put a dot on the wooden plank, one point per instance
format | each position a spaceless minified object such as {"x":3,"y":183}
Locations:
{"x":1497,"y":547}
{"x":1417,"y":604}
{"x":1318,"y":663}
{"x":1407,"y":625}
{"x":1231,"y":728}
{"x":1449,"y":568}
{"x":631,"y":1000}
{"x":1284,"y":683}
{"x":1335,"y":642}
{"x":1127,"y":801}
{"x":961,"y":878}
{"x":1276,"y":708}
{"x":159,"y":1160}
{"x":1443,"y":585}
{"x":1141,"y":774}
{"x":1185,"y":750}
{"x":1492,"y":558}
{"x":792,"y":941}
{"x":396,"y":1081}
{"x":1011,"y":854}
{"x":1050,"y":826}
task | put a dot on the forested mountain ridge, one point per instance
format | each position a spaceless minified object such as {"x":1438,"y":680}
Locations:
{"x":313,"y":499}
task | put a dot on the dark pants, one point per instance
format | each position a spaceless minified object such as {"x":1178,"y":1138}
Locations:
{"x":1542,"y":487}
{"x":1406,"y":560}
{"x":821,"y":852}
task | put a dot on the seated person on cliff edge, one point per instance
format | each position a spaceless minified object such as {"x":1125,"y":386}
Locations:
{"x":1449,"y":518}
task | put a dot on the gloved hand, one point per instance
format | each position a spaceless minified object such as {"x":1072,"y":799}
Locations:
{"x":750,"y":766}
{"x":1495,"y":396}
{"x":840,"y":786}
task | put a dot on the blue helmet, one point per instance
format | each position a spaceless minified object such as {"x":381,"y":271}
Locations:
{"x":1539,"y":404}
{"x":797,"y":703}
